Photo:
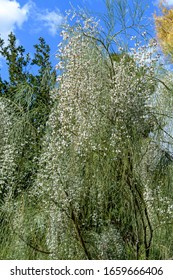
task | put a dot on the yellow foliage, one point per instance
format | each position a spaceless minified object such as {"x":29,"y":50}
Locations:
{"x":164,"y":28}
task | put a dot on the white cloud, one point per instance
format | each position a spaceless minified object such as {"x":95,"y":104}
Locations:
{"x":165,"y":2}
{"x":51,"y":20}
{"x":169,"y":2}
{"x":12,"y":15}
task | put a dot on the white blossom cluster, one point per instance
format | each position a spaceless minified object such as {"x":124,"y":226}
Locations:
{"x":13,"y":140}
{"x":100,"y":104}
{"x":7,"y":150}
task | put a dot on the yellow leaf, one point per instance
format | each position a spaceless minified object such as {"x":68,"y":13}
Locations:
{"x":164,"y":28}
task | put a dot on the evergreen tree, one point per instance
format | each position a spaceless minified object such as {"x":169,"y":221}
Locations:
{"x":30,"y":90}
{"x":29,"y":94}
{"x":16,"y":61}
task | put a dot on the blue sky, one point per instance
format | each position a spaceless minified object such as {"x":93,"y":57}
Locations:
{"x":31,"y":19}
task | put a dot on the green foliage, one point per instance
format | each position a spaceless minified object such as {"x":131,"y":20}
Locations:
{"x":30,"y":91}
{"x":29,"y":94}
